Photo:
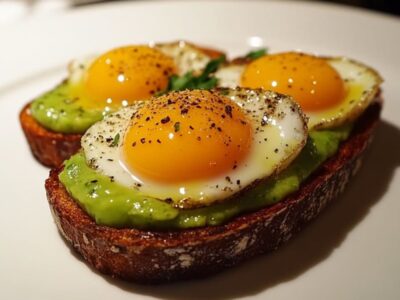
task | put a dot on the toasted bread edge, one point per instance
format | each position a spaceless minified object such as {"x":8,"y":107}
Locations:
{"x":48,"y":147}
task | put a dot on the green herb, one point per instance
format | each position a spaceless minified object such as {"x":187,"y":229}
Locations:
{"x":177,"y":126}
{"x":115,"y":141}
{"x":212,"y":66}
{"x":204,"y":81}
{"x":256,"y":53}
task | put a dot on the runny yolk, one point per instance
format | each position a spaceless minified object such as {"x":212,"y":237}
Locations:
{"x":126,"y":74}
{"x":186,"y":136}
{"x":310,"y":80}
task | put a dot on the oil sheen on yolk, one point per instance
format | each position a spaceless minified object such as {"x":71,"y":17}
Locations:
{"x":186,"y":136}
{"x":310,"y":80}
{"x":126,"y":74}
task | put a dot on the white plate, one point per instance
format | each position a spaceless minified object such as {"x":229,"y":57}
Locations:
{"x":350,"y":252}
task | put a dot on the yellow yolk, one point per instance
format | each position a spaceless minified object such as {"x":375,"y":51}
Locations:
{"x":186,"y":136}
{"x":310,"y":80}
{"x":126,"y":74}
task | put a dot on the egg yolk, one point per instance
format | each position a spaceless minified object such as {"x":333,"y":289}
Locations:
{"x":186,"y":136}
{"x":310,"y":80}
{"x":126,"y":74}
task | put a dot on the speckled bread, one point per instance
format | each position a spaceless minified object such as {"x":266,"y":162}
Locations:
{"x":52,"y":148}
{"x":157,"y":256}
{"x":48,"y":147}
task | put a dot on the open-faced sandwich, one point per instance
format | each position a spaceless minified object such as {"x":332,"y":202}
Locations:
{"x":54,"y":122}
{"x":191,"y":182}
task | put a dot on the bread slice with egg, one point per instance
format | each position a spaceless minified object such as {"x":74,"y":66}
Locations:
{"x":51,"y":148}
{"x":150,"y":256}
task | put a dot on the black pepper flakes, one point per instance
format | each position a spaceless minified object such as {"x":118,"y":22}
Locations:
{"x":228,"y":110}
{"x":168,"y":200}
{"x":165,"y":120}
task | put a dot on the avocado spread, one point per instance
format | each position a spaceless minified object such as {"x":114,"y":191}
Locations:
{"x":112,"y":204}
{"x":60,"y":110}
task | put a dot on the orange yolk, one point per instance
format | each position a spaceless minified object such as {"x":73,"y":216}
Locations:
{"x":185,"y":136}
{"x":310,"y":80}
{"x":126,"y":74}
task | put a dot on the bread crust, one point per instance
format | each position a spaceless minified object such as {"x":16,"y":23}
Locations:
{"x":48,"y":147}
{"x":147,"y":256}
{"x":52,"y":148}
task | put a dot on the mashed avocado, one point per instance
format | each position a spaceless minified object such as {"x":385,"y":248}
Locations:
{"x":59,"y":110}
{"x":112,"y":204}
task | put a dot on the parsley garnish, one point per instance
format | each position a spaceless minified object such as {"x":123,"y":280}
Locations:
{"x":115,"y":141}
{"x":204,"y":81}
{"x":256,"y":53}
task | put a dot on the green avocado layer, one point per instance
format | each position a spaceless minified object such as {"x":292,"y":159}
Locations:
{"x":112,"y":204}
{"x":60,"y":111}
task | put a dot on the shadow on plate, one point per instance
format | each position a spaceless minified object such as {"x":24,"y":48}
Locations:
{"x":313,"y":245}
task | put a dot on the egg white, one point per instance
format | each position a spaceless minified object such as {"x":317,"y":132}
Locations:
{"x":361,"y":84}
{"x":187,"y":57}
{"x":279,"y":133}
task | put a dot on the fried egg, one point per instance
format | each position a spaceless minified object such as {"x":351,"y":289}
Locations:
{"x":127,"y":74}
{"x":195,"y":148}
{"x":331,"y":91}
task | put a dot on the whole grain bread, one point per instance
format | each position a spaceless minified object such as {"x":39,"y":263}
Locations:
{"x":52,"y":148}
{"x":148,"y":256}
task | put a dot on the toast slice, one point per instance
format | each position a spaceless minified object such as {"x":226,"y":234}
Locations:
{"x":52,"y":148}
{"x":147,"y":256}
